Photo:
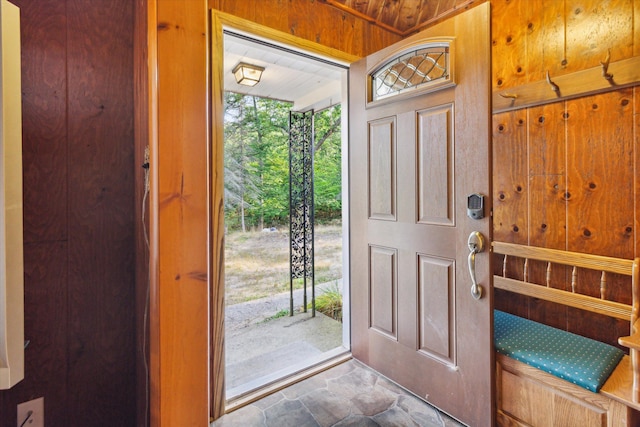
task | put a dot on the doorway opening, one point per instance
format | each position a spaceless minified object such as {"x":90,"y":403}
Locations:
{"x":278,"y":322}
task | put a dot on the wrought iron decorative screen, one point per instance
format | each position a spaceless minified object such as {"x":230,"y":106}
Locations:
{"x":423,"y":66}
{"x":301,"y":203}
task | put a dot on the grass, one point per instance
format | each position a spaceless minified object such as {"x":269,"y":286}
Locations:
{"x":329,"y":302}
{"x":281,"y":313}
{"x":257,"y":263}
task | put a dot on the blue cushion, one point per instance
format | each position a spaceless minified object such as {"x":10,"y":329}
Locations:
{"x":582,"y":361}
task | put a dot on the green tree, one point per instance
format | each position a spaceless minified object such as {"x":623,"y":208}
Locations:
{"x":328,"y":164}
{"x":257,"y":162}
{"x":256,"y":133}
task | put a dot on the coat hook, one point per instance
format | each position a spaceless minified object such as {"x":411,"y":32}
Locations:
{"x":554,"y":86}
{"x":508,"y":95}
{"x":605,"y":67}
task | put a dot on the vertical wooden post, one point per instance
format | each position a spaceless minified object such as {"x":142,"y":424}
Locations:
{"x":179,"y":213}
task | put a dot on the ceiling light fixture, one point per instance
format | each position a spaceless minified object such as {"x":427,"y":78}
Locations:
{"x":247,"y":74}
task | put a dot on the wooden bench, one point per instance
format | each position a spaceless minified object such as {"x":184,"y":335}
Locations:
{"x":527,"y":396}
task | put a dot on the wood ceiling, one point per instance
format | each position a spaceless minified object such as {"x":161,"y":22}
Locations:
{"x":403,"y":17}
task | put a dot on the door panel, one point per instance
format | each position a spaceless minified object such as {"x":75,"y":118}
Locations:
{"x":382,"y":177}
{"x":415,"y":158}
{"x":435,"y":165}
{"x":382,"y":291}
{"x":436,"y":306}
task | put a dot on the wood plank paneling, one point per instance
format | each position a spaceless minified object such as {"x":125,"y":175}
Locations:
{"x":636,"y":28}
{"x":546,"y":140}
{"x":330,"y":26}
{"x":600,"y":169}
{"x":44,"y":131}
{"x":547,"y":207}
{"x":582,"y":153}
{"x":510,"y":185}
{"x":46,"y":363}
{"x":545,"y":39}
{"x":101,"y":212}
{"x":508,"y":32}
{"x":510,"y":196}
{"x":404,"y":17}
{"x":636,"y":168}
{"x":593,"y":27}
{"x":78,"y":211}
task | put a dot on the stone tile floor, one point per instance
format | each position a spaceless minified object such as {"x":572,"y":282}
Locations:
{"x":349,"y":394}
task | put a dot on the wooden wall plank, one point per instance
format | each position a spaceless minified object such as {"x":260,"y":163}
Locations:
{"x":528,"y":37}
{"x":547,"y":208}
{"x":510,"y":186}
{"x":46,"y":363}
{"x":600,"y":169}
{"x":44,"y":101}
{"x":510,"y":194}
{"x":78,"y":210}
{"x":546,"y":173}
{"x":47,"y":354}
{"x":300,"y":26}
{"x":545,"y":39}
{"x":636,"y":168}
{"x":593,"y":27}
{"x":508,"y":33}
{"x":101,"y":309}
{"x":329,"y":26}
{"x":546,"y":140}
{"x":636,"y":28}
{"x":44,"y":52}
{"x":574,"y":191}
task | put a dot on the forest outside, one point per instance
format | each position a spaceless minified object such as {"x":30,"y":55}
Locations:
{"x":257,"y":197}
{"x":257,"y":163}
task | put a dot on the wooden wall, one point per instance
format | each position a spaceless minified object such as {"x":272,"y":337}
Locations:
{"x":78,"y":213}
{"x":314,"y":21}
{"x":566,"y":173}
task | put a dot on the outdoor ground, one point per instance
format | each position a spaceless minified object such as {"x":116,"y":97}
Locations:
{"x":257,"y":262}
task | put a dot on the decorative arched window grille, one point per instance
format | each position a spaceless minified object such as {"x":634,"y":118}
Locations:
{"x":423,"y":68}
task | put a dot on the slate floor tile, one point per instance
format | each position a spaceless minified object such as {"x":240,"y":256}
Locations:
{"x":348,"y":395}
{"x":289,"y":413}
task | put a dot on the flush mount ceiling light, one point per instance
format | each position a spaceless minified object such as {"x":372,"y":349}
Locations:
{"x":247,"y":74}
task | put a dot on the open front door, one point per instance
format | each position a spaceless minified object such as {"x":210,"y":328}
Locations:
{"x":419,"y":147}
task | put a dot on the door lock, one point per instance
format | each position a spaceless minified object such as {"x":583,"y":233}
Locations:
{"x":475,"y":206}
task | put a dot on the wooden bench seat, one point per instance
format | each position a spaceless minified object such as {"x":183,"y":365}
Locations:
{"x":528,"y":396}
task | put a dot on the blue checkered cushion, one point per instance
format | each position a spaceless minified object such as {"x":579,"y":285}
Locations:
{"x":582,"y":361}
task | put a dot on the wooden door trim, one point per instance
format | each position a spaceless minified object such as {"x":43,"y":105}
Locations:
{"x":177,"y":80}
{"x":221,"y":21}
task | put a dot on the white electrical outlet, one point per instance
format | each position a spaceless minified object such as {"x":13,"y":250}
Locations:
{"x":31,"y":413}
